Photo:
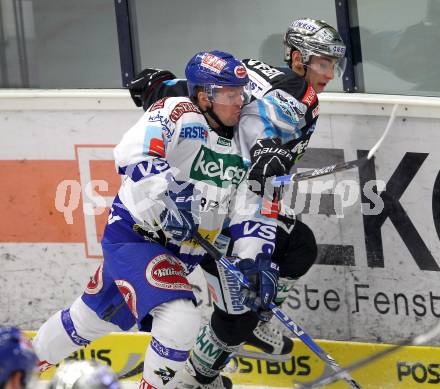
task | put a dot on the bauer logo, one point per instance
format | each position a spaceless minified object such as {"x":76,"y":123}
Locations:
{"x":216,"y":168}
{"x":167,"y":272}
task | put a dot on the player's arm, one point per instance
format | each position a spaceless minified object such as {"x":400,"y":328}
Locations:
{"x":265,"y":127}
{"x":150,"y":190}
{"x":253,"y":237}
{"x":151,"y":85}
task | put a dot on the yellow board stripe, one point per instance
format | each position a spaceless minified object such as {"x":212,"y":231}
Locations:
{"x":410,"y":367}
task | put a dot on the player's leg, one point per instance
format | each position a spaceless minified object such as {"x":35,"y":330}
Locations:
{"x":216,"y":342}
{"x":228,"y":328}
{"x":99,"y":311}
{"x":153,"y":282}
{"x":174,"y":329}
{"x":295,"y":253}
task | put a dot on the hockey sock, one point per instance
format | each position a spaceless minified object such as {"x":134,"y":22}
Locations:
{"x":209,"y":355}
{"x":66,"y":331}
{"x":175,"y":326}
{"x":161,"y":365}
{"x":53,"y":342}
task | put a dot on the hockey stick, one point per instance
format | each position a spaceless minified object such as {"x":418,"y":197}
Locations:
{"x":286,"y":320}
{"x":415,"y":341}
{"x":337,"y":167}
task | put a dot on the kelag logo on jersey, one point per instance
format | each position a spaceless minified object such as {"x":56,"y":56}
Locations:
{"x":219,"y":169}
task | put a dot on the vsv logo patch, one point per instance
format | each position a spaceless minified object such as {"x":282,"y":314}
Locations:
{"x":259,"y":230}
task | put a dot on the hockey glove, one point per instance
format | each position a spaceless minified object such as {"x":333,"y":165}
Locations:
{"x":180,"y":218}
{"x":145,"y":82}
{"x":263,"y":275}
{"x":268,"y":159}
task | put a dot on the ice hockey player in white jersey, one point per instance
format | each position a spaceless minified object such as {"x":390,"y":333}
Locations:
{"x":286,"y":108}
{"x":182,"y":172}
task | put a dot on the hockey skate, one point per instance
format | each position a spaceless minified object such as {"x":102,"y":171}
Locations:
{"x":270,"y":340}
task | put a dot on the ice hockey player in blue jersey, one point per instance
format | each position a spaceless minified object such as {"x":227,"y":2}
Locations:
{"x":282,"y":118}
{"x":18,"y":361}
{"x":182,"y":172}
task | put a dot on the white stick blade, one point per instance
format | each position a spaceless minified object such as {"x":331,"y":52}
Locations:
{"x":387,"y":129}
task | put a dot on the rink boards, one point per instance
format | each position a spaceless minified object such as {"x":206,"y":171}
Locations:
{"x":378,"y":267}
{"x":410,"y":367}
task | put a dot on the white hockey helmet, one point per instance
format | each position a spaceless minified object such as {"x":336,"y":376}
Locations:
{"x":315,"y":37}
{"x":84,"y":375}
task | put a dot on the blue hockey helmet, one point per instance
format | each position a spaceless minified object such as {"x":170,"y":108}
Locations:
{"x":216,"y":69}
{"x":16,"y":354}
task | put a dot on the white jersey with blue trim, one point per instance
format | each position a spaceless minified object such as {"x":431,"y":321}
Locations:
{"x":173,"y":137}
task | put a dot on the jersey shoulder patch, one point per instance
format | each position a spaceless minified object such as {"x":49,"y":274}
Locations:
{"x":159,"y":104}
{"x":182,"y":107}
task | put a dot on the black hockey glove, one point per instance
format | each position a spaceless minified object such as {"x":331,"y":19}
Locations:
{"x":268,"y":159}
{"x":145,"y":82}
{"x":263,"y":275}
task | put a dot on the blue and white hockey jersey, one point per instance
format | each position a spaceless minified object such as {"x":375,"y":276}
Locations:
{"x":173,"y":137}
